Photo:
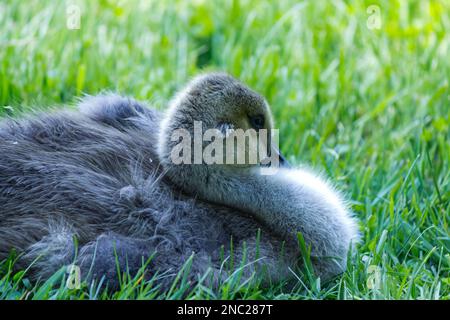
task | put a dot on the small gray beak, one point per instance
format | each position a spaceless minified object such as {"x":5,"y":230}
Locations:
{"x":282,"y":160}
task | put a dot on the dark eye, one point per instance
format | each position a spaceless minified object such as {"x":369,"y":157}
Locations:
{"x":257,"y":122}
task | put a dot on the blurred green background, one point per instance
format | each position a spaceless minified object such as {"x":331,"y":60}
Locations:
{"x":359,"y":92}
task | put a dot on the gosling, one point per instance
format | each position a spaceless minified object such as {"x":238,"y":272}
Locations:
{"x":98,"y":187}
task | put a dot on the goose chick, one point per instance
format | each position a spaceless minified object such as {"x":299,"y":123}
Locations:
{"x":104,"y":175}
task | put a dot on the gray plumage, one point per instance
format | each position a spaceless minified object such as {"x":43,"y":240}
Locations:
{"x":101,"y":174}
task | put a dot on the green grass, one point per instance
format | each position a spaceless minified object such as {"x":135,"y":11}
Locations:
{"x":368,"y":107}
